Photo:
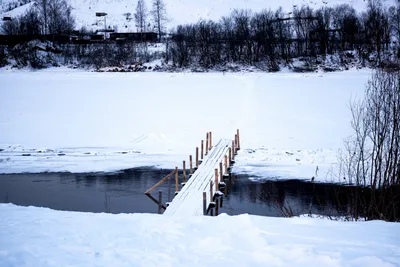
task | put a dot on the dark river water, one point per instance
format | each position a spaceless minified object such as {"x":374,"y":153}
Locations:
{"x":123,"y":192}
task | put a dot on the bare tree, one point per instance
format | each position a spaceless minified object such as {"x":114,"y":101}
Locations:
{"x":11,"y":27}
{"x":373,"y":153}
{"x":394,"y":14}
{"x":28,"y":24}
{"x":141,"y":16}
{"x":55,"y":15}
{"x":43,"y":6}
{"x":159,"y":14}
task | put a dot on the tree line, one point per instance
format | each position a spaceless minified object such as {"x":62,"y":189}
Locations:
{"x":44,"y":17}
{"x":55,"y":17}
{"x":157,"y":14}
{"x":273,"y":36}
{"x":265,"y":39}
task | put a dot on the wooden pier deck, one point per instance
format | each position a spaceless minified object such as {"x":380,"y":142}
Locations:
{"x":200,"y":195}
{"x":189,"y":200}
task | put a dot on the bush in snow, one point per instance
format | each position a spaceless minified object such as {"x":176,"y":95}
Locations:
{"x":35,"y":54}
{"x":3,"y":56}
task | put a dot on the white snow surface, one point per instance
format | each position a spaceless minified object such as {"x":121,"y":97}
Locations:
{"x":291,"y":125}
{"x":180,"y":11}
{"x":43,"y":237}
{"x":20,"y":10}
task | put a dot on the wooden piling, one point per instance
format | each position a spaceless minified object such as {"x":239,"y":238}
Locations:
{"x":216,"y":180}
{"x":169,"y":189}
{"x":238,"y":140}
{"x":190,"y":165}
{"x":197,"y":157}
{"x":210,"y":140}
{"x":226,"y":164}
{"x":233,"y":150}
{"x":216,"y":207}
{"x":184,"y":171}
{"x":207,"y":141}
{"x":159,"y":202}
{"x":211,"y":191}
{"x":202,"y":149}
{"x":230,"y":155}
{"x":235,"y":143}
{"x":221,"y":175}
{"x":176,"y":180}
{"x":204,"y":203}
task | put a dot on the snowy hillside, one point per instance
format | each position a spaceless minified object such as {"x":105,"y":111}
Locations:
{"x":179,"y":11}
{"x":8,"y":5}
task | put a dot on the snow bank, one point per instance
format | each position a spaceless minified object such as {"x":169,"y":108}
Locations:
{"x":67,"y":120}
{"x":43,"y":237}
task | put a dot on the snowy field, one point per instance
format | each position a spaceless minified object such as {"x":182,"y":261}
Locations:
{"x":67,"y":120}
{"x":43,"y":237}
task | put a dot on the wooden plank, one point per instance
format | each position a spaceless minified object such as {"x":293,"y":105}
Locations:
{"x":155,"y":201}
{"x":160,"y":182}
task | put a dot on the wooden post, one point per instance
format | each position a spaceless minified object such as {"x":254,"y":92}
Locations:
{"x":197,"y":157}
{"x":216,"y":180}
{"x":204,"y":203}
{"x":190,"y":165}
{"x":159,"y":202}
{"x":176,"y":180}
{"x":169,"y":189}
{"x":235,"y":143}
{"x":226,"y":164}
{"x":202,"y":149}
{"x":184,"y":171}
{"x":221,"y":175}
{"x":207,"y":141}
{"x":233,"y":150}
{"x":216,"y":207}
{"x":230,"y":156}
{"x":210,"y":140}
{"x":238,"y":139}
{"x":211,"y":191}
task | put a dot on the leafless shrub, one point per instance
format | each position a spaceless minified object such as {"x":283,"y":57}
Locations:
{"x":3,"y":56}
{"x":284,"y":209}
{"x":372,"y":154}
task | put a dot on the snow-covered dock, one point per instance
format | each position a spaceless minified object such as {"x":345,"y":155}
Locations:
{"x":199,"y":191}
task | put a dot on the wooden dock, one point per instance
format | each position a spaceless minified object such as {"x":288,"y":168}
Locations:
{"x":189,"y":200}
{"x":200,"y":194}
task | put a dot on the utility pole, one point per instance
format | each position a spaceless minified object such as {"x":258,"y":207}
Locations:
{"x":102,"y":14}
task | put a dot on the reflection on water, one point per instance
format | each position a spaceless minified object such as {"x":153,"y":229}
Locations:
{"x":123,"y":192}
{"x":282,"y":198}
